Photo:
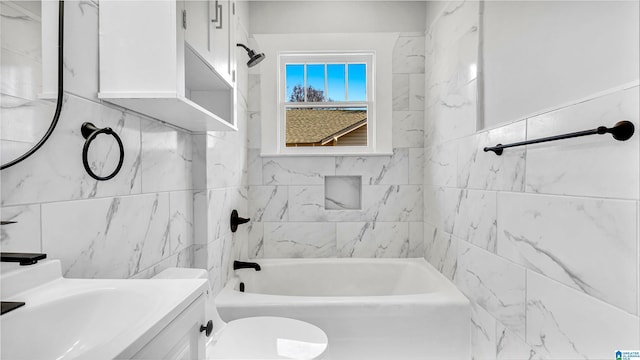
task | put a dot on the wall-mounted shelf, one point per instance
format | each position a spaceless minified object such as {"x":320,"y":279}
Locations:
{"x":147,"y":65}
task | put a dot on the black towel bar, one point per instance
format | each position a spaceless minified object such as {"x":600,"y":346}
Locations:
{"x":621,"y":131}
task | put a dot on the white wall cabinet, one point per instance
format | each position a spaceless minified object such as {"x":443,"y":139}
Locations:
{"x":181,"y":339}
{"x":162,"y":58}
{"x":223,"y":39}
{"x":210,"y":31}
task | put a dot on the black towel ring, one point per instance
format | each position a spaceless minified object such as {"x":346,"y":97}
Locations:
{"x":89,"y":132}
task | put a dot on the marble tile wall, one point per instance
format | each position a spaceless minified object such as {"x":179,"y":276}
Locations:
{"x":147,"y":217}
{"x":287,"y":194}
{"x":544,"y":239}
{"x":220,"y":180}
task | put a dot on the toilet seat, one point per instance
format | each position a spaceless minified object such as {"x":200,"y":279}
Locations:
{"x":266,"y":337}
{"x":261,"y":337}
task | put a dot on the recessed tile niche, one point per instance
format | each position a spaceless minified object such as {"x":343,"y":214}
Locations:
{"x":342,"y":192}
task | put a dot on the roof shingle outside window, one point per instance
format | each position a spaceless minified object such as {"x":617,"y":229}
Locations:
{"x":323,"y":127}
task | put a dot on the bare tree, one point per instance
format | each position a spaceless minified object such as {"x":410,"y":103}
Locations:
{"x":313,"y":95}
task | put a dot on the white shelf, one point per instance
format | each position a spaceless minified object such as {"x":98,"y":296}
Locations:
{"x":176,"y":110}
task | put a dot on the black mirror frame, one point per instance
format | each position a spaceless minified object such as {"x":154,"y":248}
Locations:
{"x":56,"y":115}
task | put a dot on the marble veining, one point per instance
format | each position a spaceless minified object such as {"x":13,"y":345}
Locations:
{"x":294,"y":240}
{"x":416,"y":166}
{"x":373,"y":240}
{"x":393,"y":202}
{"x":441,"y":164}
{"x":24,"y":235}
{"x":484,"y":170}
{"x":416,"y":92}
{"x":183,"y":258}
{"x":199,"y":161}
{"x":377,"y":170}
{"x":342,"y":192}
{"x":583,"y":166}
{"x":557,"y":317}
{"x":483,"y":334}
{"x":269,"y":203}
{"x":307,"y":203}
{"x":457,"y":106}
{"x":297,"y":171}
{"x":181,"y":220}
{"x":434,"y":205}
{"x":256,"y":241}
{"x":511,"y":347}
{"x":441,"y":251}
{"x":118,"y":237}
{"x":408,"y":129}
{"x":408,"y":55}
{"x":254,"y":167}
{"x":166,"y":158}
{"x":224,"y":156}
{"x":253,"y":95}
{"x":494,"y":283}
{"x":471,"y":216}
{"x":400,"y":92}
{"x":603,"y":230}
{"x":416,"y":239}
{"x":254,"y":130}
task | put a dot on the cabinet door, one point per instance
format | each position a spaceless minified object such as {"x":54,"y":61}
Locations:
{"x":181,"y":339}
{"x":197,"y":29}
{"x":223,"y":38}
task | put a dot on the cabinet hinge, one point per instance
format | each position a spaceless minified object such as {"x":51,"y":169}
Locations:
{"x":233,"y":8}
{"x":233,"y":76}
{"x":184,"y":19}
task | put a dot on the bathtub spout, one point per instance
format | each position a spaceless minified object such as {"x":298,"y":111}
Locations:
{"x":246,"y":265}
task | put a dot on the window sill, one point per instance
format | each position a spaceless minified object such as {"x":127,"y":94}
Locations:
{"x":326,"y":154}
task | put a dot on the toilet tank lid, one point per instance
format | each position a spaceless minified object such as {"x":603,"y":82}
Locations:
{"x":182,"y":273}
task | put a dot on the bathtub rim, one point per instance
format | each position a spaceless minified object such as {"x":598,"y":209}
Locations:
{"x":447,"y":293}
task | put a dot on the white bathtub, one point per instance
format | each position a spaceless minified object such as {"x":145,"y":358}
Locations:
{"x":392,"y":309}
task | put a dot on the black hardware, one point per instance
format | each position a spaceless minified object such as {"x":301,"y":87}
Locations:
{"x":219,"y":8}
{"x":56,"y":114}
{"x":9,"y":306}
{"x":7,"y":222}
{"x":254,"y":59}
{"x":246,"y":265}
{"x":89,"y":132}
{"x":22,"y":258}
{"x":621,"y":131}
{"x":236,"y":220}
{"x":207,"y":329}
{"x":215,"y":20}
{"x":241,"y":287}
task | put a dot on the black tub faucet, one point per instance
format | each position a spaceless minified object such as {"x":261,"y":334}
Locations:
{"x":246,"y":265}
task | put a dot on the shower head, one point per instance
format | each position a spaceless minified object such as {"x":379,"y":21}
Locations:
{"x":254,"y":59}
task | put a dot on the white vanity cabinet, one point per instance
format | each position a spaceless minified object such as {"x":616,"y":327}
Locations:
{"x":161,"y":58}
{"x":181,"y":339}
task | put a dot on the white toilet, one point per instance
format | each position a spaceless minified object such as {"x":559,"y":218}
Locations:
{"x":262,"y":337}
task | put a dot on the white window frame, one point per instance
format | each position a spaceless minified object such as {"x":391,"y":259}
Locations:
{"x":366,"y":58}
{"x":379,"y":46}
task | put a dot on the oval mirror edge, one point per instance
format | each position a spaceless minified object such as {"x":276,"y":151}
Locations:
{"x":60,"y":94}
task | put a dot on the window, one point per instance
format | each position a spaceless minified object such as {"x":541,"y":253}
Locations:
{"x":326,"y":99}
{"x":326,"y":94}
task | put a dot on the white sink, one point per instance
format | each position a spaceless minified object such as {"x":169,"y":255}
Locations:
{"x":94,"y":319}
